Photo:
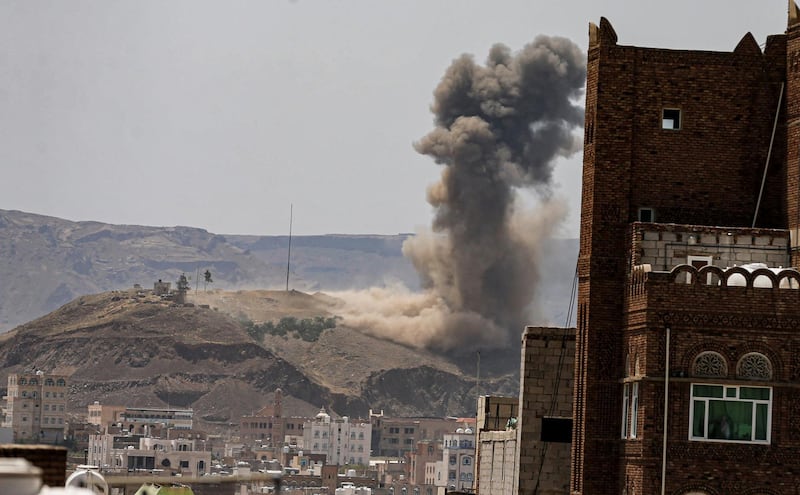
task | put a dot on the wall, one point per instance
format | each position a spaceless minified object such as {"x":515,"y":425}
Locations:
{"x":497,"y":467}
{"x":546,"y":376}
{"x":665,"y":246}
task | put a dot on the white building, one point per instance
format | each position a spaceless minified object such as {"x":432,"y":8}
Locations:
{"x":456,"y":470}
{"x":340,"y":440}
{"x":36,"y":407}
{"x":138,"y":418}
{"x":131,"y":453}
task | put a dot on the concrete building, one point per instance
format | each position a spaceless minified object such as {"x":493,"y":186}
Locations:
{"x":687,"y":367}
{"x":395,"y":437}
{"x":456,"y":469}
{"x":422,"y":466}
{"x":140,"y":419}
{"x":342,"y":441}
{"x":35,"y":408}
{"x":524,"y":442}
{"x":135,"y":453}
{"x":104,"y":415}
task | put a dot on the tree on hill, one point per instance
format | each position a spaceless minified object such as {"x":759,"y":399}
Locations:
{"x":207,"y":280}
{"x":182,"y":283}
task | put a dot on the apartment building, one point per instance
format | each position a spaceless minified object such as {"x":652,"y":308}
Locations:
{"x":344,"y":442}
{"x":35,"y":407}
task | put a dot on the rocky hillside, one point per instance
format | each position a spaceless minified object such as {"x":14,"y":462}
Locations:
{"x":131,"y":347}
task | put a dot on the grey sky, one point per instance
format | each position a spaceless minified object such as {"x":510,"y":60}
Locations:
{"x":220,"y":114}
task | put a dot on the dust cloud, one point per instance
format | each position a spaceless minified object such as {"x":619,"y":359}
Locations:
{"x":499,"y":127}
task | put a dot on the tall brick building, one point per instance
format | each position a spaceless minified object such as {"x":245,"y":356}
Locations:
{"x":688,"y":342}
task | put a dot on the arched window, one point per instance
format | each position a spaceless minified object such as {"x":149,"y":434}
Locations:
{"x":61,"y":382}
{"x":754,"y":366}
{"x":710,"y":364}
{"x":34,"y":381}
{"x":22,"y":381}
{"x":48,"y":382}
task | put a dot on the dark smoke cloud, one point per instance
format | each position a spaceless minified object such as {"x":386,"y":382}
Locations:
{"x":499,"y":127}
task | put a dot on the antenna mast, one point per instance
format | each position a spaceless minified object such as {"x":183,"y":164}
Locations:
{"x":289,"y":256}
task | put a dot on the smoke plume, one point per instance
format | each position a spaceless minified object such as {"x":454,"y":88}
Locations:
{"x":499,"y":127}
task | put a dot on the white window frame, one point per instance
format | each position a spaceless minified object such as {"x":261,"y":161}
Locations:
{"x":634,"y":410}
{"x":726,"y":397}
{"x":664,"y":120}
{"x":709,"y":260}
{"x":626,"y":388}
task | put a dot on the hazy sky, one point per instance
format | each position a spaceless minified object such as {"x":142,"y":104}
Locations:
{"x":220,"y":114}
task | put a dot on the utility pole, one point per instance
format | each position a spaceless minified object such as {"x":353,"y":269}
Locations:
{"x":289,"y":256}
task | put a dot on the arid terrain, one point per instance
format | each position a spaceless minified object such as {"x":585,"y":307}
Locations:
{"x":68,"y":305}
{"x":132,"y":347}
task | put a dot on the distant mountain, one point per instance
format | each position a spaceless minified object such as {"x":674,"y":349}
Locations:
{"x":46,"y":262}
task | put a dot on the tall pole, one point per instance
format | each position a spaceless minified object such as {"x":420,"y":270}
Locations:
{"x":289,"y":256}
{"x":478,"y":375}
{"x":666,"y":410}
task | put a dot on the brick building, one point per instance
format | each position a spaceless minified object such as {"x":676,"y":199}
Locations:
{"x":687,"y":352}
{"x":268,"y":426}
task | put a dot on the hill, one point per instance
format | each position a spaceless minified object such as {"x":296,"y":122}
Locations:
{"x":46,"y":262}
{"x":131,"y":347}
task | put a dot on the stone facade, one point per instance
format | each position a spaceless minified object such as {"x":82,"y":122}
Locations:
{"x":687,"y":367}
{"x":36,"y":407}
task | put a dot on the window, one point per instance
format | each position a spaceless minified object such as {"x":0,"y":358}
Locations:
{"x":671,"y":119}
{"x":626,"y":389}
{"x":634,"y":410}
{"x":754,"y":366}
{"x":452,"y":460}
{"x":734,"y":414}
{"x":647,"y":215}
{"x":466,"y":461}
{"x":710,"y":363}
{"x":409,"y":431}
{"x":699,"y":262}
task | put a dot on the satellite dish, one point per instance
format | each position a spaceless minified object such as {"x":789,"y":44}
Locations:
{"x":88,"y":477}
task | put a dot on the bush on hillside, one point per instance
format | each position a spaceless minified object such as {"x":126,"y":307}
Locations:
{"x":308,"y":329}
